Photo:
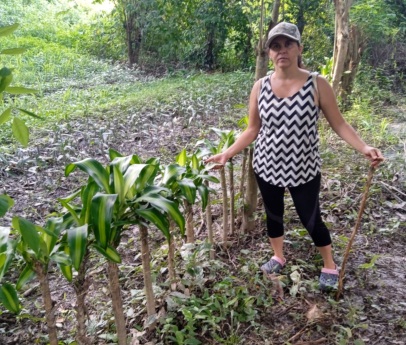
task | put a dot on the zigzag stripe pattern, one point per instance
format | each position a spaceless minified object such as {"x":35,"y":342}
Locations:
{"x":286,"y":150}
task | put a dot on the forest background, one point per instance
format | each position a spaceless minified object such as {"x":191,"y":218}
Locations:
{"x":153,"y":78}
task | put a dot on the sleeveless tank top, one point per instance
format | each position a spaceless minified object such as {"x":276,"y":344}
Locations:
{"x":287,"y":147}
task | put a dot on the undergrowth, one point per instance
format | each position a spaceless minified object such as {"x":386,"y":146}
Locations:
{"x":226,"y":301}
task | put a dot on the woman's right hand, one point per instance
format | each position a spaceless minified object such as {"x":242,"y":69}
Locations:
{"x":218,"y":161}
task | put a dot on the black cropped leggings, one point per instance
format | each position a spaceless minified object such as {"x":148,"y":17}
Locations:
{"x":306,"y":200}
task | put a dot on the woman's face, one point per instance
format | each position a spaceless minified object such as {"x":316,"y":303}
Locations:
{"x":284,"y":51}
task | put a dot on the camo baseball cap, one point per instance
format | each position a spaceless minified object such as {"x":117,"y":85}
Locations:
{"x":284,"y":29}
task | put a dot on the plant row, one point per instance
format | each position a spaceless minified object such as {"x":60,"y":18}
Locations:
{"x":128,"y":192}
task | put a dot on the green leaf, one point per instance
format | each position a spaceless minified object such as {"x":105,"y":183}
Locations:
{"x":171,"y":173}
{"x":110,"y":253}
{"x":61,"y":258}
{"x":222,"y":134}
{"x":13,"y":51}
{"x":243,"y":122}
{"x":167,"y":206}
{"x":29,"y":233}
{"x":9,"y":298}
{"x":188,"y":190}
{"x":72,"y":196}
{"x":180,"y":338}
{"x":101,"y":215}
{"x":7,"y":30}
{"x":5,"y":116}
{"x":52,"y":229}
{"x":66,"y":269}
{"x":370,"y":264}
{"x":147,"y":176}
{"x":181,"y":159}
{"x":30,"y":113}
{"x":5,"y":204}
{"x":118,"y":179}
{"x":6,"y":78}
{"x":77,"y":241}
{"x":94,"y":169}
{"x":134,"y":174}
{"x":19,"y":90}
{"x":26,"y":275}
{"x":157,"y":218}
{"x":195,"y":163}
{"x":20,"y":131}
{"x":208,"y":177}
{"x":204,"y":195}
{"x":152,"y":161}
{"x":122,"y":163}
{"x":7,"y":250}
{"x":73,"y":214}
{"x":114,"y":154}
{"x":87,"y":194}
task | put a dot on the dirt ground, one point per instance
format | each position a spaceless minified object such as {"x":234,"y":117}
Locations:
{"x":372,"y":310}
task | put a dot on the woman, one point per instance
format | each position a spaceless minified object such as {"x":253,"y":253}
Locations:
{"x":283,"y":114}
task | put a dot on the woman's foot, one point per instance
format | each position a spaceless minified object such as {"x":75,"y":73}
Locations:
{"x":328,"y":279}
{"x":274,"y":265}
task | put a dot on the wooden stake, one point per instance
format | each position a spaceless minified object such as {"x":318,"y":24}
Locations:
{"x":354,"y":232}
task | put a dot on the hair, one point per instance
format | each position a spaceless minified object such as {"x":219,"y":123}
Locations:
{"x":300,"y":62}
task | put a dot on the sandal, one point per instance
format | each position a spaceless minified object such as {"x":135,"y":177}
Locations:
{"x":328,"y":279}
{"x":274,"y":265}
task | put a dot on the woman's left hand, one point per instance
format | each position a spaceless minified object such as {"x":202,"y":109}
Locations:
{"x":374,"y":155}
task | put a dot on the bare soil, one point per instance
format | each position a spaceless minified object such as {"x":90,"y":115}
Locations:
{"x":372,"y":310}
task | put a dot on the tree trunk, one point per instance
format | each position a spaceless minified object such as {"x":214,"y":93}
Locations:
{"x":146,"y":266}
{"x":209,"y":222}
{"x":251,"y":197}
{"x":171,"y":261}
{"x":209,"y":57}
{"x":232,"y":197}
{"x":300,"y":17}
{"x":242,"y":182}
{"x":355,"y":49}
{"x":117,"y":302}
{"x":81,"y":286}
{"x":342,"y":8}
{"x":133,"y":38}
{"x":42,"y":275}
{"x":225,"y":211}
{"x":247,"y":52}
{"x":190,"y":231}
{"x":129,"y":26}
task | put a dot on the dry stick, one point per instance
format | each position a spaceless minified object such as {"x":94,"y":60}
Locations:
{"x":242,"y":182}
{"x":232,"y":197}
{"x":209,"y":221}
{"x":225,"y":208}
{"x":354,"y":232}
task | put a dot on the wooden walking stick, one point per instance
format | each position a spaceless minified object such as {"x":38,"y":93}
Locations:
{"x":354,"y":232}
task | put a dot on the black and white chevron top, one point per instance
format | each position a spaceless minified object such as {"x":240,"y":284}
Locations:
{"x":286,"y":149}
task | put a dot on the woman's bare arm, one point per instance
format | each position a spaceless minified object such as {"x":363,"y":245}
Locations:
{"x":328,"y":105}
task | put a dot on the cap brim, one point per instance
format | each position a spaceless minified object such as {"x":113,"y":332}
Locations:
{"x":268,"y":42}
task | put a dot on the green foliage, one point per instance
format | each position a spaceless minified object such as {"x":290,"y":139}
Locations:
{"x":194,"y":176}
{"x":19,"y":128}
{"x":125,"y":194}
{"x":9,"y":298}
{"x":376,"y":19}
{"x":227,"y":303}
{"x":36,"y":245}
{"x":5,"y":204}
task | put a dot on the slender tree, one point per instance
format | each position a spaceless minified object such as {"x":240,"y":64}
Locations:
{"x":341,"y":40}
